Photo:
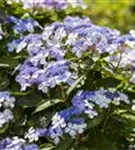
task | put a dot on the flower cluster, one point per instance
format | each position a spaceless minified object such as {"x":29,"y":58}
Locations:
{"x":23,"y":25}
{"x":16,"y":144}
{"x":47,"y":64}
{"x":81,"y":35}
{"x":46,"y":75}
{"x":51,"y":4}
{"x":6,"y":104}
{"x":70,"y":120}
{"x":52,"y":62}
{"x":124,"y":59}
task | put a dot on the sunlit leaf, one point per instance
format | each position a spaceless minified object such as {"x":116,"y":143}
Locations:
{"x":47,"y":104}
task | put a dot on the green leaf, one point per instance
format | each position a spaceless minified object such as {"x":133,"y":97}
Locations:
{"x":20,"y":93}
{"x":75,"y":84}
{"x":47,"y":147}
{"x":8,"y":61}
{"x":65,"y":143}
{"x":108,"y":82}
{"x":129,"y":117}
{"x":4,"y":81}
{"x":94,"y":122}
{"x":3,"y":129}
{"x":100,"y":141}
{"x":81,"y":147}
{"x":30,"y":100}
{"x":4,"y":65}
{"x":47,"y":104}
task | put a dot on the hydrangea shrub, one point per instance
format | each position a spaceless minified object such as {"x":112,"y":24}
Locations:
{"x":65,"y":85}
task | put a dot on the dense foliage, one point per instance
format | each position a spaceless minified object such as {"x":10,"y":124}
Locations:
{"x":66,"y":83}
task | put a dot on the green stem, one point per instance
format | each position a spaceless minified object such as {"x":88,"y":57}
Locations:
{"x":118,"y":62}
{"x":106,"y":119}
{"x":64,"y":96}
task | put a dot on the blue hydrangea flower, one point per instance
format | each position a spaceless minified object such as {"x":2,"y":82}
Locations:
{"x":16,"y":144}
{"x":31,"y":147}
{"x":34,"y":134}
{"x":14,"y":44}
{"x":75,"y":127}
{"x":85,"y":101}
{"x":5,"y":117}
{"x":70,"y":120}
{"x":51,"y":75}
{"x":55,"y":134}
{"x":23,"y":25}
{"x":6,"y":103}
{"x":23,"y":42}
{"x":76,"y":35}
{"x":6,"y":100}
{"x":51,"y":4}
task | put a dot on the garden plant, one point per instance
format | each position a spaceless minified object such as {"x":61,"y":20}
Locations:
{"x":67,"y":79}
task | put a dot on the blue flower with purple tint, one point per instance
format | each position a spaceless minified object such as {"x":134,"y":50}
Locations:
{"x":16,"y":144}
{"x":6,"y":104}
{"x":51,"y":4}
{"x":23,"y":25}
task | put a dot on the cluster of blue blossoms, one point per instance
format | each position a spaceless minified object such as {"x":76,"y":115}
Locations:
{"x":7,"y":102}
{"x":6,"y":105}
{"x":47,"y":64}
{"x":50,"y":4}
{"x":23,"y":25}
{"x":16,"y":144}
{"x":70,"y":121}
